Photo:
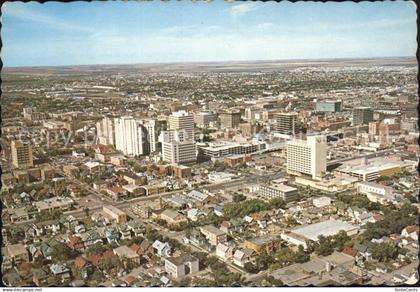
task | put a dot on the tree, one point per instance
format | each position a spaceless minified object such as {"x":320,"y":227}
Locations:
{"x":301,"y":256}
{"x":340,"y":240}
{"x":285,"y":257}
{"x":277,"y":203}
{"x":384,"y":251}
{"x":324,"y":246}
{"x":238,"y":198}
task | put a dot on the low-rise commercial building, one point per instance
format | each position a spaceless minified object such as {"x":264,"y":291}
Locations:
{"x":181,"y":266}
{"x":282,"y":191}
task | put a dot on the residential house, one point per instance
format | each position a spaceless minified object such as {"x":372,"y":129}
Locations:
{"x":243,"y":256}
{"x":60,"y":271}
{"x":195,"y":214}
{"x":137,"y":228}
{"x":162,"y":249}
{"x":146,"y":248}
{"x":224,"y":251}
{"x":125,"y":231}
{"x":40,"y":277}
{"x":17,"y":253}
{"x":363,"y":250}
{"x":127,"y":254}
{"x":83,"y":266}
{"x":75,"y":242}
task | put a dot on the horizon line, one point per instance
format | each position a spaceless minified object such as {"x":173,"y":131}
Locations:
{"x":203,"y":62}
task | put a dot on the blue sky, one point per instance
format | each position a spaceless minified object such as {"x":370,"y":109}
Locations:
{"x":55,"y":33}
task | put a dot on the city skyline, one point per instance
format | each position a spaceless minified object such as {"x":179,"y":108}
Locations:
{"x":88,"y":34}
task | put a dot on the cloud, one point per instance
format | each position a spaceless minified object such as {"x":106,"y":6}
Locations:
{"x":21,"y":11}
{"x":243,"y":8}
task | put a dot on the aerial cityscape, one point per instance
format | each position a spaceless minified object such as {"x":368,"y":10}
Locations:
{"x":256,"y":172}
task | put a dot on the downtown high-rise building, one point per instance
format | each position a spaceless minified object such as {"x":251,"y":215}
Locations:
{"x":230,"y":120}
{"x":177,"y":147}
{"x":362,"y":115}
{"x":21,"y":154}
{"x":105,"y":131}
{"x":286,"y":123}
{"x":131,"y":136}
{"x":182,"y":120}
{"x":329,"y":106}
{"x":307,"y":157}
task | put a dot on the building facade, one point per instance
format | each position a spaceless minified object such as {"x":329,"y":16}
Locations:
{"x":131,"y":136}
{"x":21,"y":154}
{"x":362,"y":115}
{"x":286,"y":123}
{"x":105,"y":131}
{"x":308,"y":157}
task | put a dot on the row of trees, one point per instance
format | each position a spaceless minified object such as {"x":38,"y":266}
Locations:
{"x":242,"y":208}
{"x":395,"y":220}
{"x":282,"y":258}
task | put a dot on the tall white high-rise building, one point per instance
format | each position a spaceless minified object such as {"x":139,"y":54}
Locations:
{"x":131,"y":136}
{"x":308,"y":157}
{"x":182,"y":120}
{"x":152,"y":133}
{"x":105,"y":131}
{"x":177,"y":147}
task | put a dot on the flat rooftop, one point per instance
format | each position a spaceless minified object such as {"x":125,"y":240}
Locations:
{"x":326,"y":228}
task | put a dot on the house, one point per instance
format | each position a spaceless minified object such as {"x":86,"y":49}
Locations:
{"x":243,"y":256}
{"x":363,"y":250}
{"x":232,"y":226}
{"x":60,"y":271}
{"x":224,"y":251}
{"x":34,"y":252}
{"x":112,"y":235}
{"x":127,"y":254}
{"x":51,"y":226}
{"x":172,"y":217}
{"x":83,"y":266}
{"x":181,"y":266}
{"x":40,"y":277}
{"x":195,"y":214}
{"x":90,"y":237}
{"x":350,"y":251}
{"x":219,"y":211}
{"x":196,"y":238}
{"x":75,"y":242}
{"x":146,"y":248}
{"x":411,"y":232}
{"x":137,"y":228}
{"x":213,"y":234}
{"x":162,"y":249}
{"x":125,"y":232}
{"x":17,"y":253}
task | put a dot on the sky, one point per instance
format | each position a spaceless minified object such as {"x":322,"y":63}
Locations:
{"x":80,"y":33}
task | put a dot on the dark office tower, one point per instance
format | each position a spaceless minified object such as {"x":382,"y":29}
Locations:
{"x":286,"y":123}
{"x":230,"y":120}
{"x":362,"y":115}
